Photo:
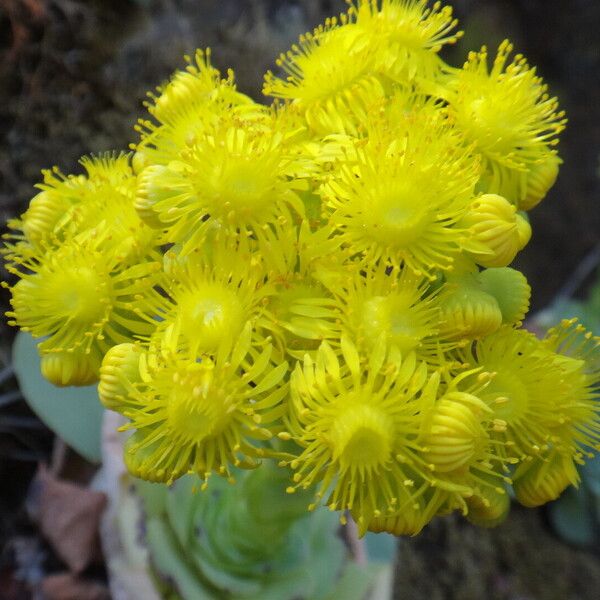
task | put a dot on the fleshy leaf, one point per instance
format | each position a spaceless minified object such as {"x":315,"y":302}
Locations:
{"x":74,"y":414}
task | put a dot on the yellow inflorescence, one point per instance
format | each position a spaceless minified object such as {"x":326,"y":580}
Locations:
{"x":324,"y":282}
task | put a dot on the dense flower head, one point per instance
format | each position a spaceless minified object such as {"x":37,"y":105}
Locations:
{"x":324,"y":282}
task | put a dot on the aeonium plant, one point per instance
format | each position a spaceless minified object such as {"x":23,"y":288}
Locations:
{"x":324,"y":282}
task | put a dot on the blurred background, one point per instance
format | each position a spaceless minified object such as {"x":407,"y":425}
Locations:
{"x":73,"y":76}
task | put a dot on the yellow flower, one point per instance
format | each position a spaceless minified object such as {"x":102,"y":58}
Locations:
{"x":301,"y":310}
{"x":398,"y":200}
{"x":541,"y":399}
{"x":577,"y":358}
{"x":81,"y":298}
{"x":66,"y":206}
{"x":211,"y":297}
{"x":507,"y":112}
{"x":409,"y":35}
{"x":303,"y":314}
{"x":193,"y":101}
{"x":357,"y":425}
{"x":235,"y":179}
{"x":198,"y":84}
{"x":199,"y":416}
{"x":329,"y":76}
{"x":391,"y":303}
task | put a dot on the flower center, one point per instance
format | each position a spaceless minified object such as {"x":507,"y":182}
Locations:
{"x":196,"y":408}
{"x":396,"y":218}
{"x":361,"y":438}
{"x":81,"y":294}
{"x":391,"y":315}
{"x":509,"y":396}
{"x":210,"y":314}
{"x":242,"y":187}
{"x":491,"y":125}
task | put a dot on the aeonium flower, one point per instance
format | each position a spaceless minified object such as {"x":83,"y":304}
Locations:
{"x":194,"y":415}
{"x":397,"y":198}
{"x":542,"y":400}
{"x":389,"y":302}
{"x":410,"y":33}
{"x":357,"y":426}
{"x":209,"y":297}
{"x":236,"y":179}
{"x":302,"y":311}
{"x":193,"y":100}
{"x":102,"y":198}
{"x":506,"y":111}
{"x":81,"y":298}
{"x":330,"y":76}
{"x":577,"y":356}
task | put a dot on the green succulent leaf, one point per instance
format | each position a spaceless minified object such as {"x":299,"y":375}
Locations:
{"x":590,"y":473}
{"x":250,"y":541}
{"x":170,"y":562}
{"x":381,"y":547}
{"x":74,"y":414}
{"x":356,"y":582}
{"x":572,"y":517}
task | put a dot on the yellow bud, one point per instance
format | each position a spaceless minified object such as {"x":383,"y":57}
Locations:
{"x":120,"y":368}
{"x":523,"y":229}
{"x":140,"y":459}
{"x":468,"y":312}
{"x":178,"y":92}
{"x":492,"y":222}
{"x":510,"y":289}
{"x":45,"y":210}
{"x":488,"y":507}
{"x":409,"y":521}
{"x":540,"y":179}
{"x":455,"y":436}
{"x":71,"y":368}
{"x":139,"y":161}
{"x":544,"y":480}
{"x":152,"y":187}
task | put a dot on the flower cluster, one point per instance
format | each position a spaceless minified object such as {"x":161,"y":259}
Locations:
{"x":324,"y":281}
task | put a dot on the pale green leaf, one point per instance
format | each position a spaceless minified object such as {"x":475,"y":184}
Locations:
{"x":74,"y":414}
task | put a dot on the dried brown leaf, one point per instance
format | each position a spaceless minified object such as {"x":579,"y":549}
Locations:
{"x":69,"y":517}
{"x":66,"y":586}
